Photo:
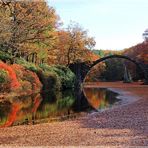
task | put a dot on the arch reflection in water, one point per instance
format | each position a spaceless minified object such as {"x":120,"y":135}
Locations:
{"x":100,"y":98}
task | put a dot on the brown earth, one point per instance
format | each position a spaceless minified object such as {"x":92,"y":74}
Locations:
{"x":125,"y":125}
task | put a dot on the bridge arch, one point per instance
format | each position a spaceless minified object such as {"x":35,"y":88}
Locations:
{"x":139,"y":65}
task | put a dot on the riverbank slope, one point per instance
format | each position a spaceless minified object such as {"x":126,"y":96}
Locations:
{"x":126,"y":125}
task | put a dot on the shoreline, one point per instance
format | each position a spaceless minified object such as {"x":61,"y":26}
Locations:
{"x":125,"y":125}
{"x":125,"y":97}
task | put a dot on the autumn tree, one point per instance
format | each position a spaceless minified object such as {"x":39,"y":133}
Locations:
{"x":78,"y":43}
{"x":32,"y":28}
{"x":5,"y":28}
{"x":138,"y":52}
{"x":74,"y":44}
{"x":62,"y":46}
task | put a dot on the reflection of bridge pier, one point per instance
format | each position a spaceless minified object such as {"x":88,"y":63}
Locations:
{"x":81,"y":102}
{"x":81,"y":69}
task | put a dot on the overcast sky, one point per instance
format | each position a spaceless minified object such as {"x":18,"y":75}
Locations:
{"x":115,"y":24}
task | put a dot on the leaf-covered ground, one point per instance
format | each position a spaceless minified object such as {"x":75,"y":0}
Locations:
{"x":125,"y":125}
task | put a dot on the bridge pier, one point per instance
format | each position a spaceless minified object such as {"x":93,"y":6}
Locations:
{"x":80,"y":69}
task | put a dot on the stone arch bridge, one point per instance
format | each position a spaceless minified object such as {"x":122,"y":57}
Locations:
{"x":81,"y":69}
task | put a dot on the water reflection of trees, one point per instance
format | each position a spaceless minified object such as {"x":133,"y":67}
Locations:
{"x":100,"y":98}
{"x":5,"y":108}
{"x":38,"y":108}
{"x":55,"y":104}
{"x":19,"y":108}
{"x":41,"y":106}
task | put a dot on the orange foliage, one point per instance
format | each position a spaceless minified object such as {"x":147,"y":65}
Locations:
{"x":139,"y":52}
{"x":27,"y":76}
{"x":74,"y":44}
{"x":96,"y":98}
{"x":21,"y":78}
{"x":35,"y":81}
{"x":36,"y":31}
{"x":12,"y":75}
{"x":92,"y":56}
{"x":12,"y":116}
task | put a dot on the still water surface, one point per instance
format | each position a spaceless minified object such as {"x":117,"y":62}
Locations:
{"x":101,"y":98}
{"x":53,"y":106}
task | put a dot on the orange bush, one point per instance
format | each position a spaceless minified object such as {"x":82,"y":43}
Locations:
{"x":26,"y":77}
{"x":21,"y":78}
{"x":14,"y":81}
{"x":33,"y":79}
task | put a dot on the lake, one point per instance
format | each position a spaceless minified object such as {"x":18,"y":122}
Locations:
{"x":54,"y":106}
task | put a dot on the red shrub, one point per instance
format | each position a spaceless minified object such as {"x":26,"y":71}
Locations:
{"x":14,"y":81}
{"x":26,"y":80}
{"x":27,"y":76}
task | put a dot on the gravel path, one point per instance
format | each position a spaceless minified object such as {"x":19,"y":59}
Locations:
{"x":126,"y":125}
